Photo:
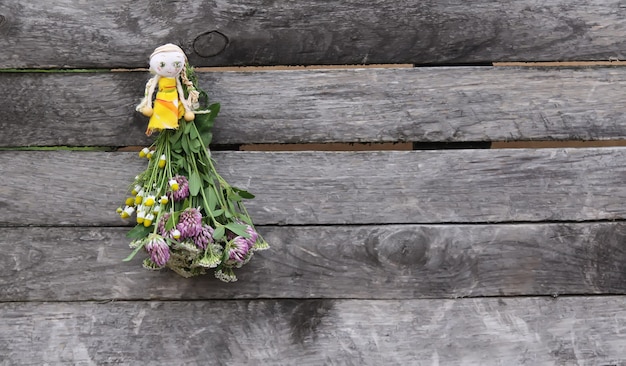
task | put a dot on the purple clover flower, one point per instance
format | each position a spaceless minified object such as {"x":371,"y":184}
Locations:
{"x":158,"y":249}
{"x":169,"y":234}
{"x":183,"y":189}
{"x":161,"y":224}
{"x":204,"y":237}
{"x":238,"y":249}
{"x":253,"y":236}
{"x":189,"y":223}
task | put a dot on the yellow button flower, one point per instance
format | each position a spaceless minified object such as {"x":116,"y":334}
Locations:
{"x":147,"y":221}
{"x":127,"y":212}
{"x":174,"y":184}
{"x":149,"y":201}
{"x":140,"y":217}
{"x":162,"y":161}
{"x":144,"y":152}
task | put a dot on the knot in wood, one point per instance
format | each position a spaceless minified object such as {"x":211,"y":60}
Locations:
{"x":3,"y":20}
{"x":210,"y":43}
{"x":406,"y":248}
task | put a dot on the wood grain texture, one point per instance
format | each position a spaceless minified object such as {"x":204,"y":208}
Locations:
{"x":354,"y":262}
{"x":523,"y":331}
{"x":363,"y":105}
{"x":123,"y":33}
{"x":298,"y":188}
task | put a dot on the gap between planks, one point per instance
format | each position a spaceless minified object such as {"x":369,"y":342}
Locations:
{"x":406,"y":146}
{"x":604,"y":63}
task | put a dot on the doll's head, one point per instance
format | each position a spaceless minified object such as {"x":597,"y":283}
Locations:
{"x":168,"y":60}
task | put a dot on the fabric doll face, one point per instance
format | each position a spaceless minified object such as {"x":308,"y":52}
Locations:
{"x":167,"y":64}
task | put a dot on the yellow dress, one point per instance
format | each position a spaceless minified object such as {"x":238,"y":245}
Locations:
{"x":167,"y":108}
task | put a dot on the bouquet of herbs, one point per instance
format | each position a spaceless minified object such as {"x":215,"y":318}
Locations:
{"x":189,"y":219}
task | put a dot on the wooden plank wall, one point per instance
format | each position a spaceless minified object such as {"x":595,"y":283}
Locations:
{"x":449,"y":253}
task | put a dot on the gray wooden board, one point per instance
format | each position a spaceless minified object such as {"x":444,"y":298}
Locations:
{"x":299,"y":188}
{"x":123,"y":33}
{"x":487,"y":331}
{"x":362,"y":105}
{"x":366,"y":262}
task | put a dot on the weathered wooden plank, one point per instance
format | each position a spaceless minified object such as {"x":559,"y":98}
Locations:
{"x":122,"y":33}
{"x":298,"y":188}
{"x":394,"y":261}
{"x":366,"y":105}
{"x":488,"y":331}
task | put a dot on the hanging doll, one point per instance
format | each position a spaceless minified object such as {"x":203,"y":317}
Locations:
{"x":189,"y":219}
{"x":168,"y":63}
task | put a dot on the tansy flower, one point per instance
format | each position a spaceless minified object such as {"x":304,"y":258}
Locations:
{"x":226,"y":274}
{"x":210,"y":260}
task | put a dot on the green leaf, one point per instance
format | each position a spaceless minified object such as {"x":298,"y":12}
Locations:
{"x":185,"y":144}
{"x":193,"y":133}
{"x":175,"y":137}
{"x":219,"y":233}
{"x":195,"y":146}
{"x":188,"y":127}
{"x":243,"y":194}
{"x":245,"y":219}
{"x":195,"y":183}
{"x":131,"y":255}
{"x":238,"y":229}
{"x":171,"y":222}
{"x":138,"y":232}
{"x":211,"y":197}
{"x":207,"y":137}
{"x":204,"y":123}
{"x":215,"y":109}
{"x":217,"y":213}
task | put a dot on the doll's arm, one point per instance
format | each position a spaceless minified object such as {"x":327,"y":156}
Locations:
{"x":145,"y":107}
{"x":189,"y":115}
